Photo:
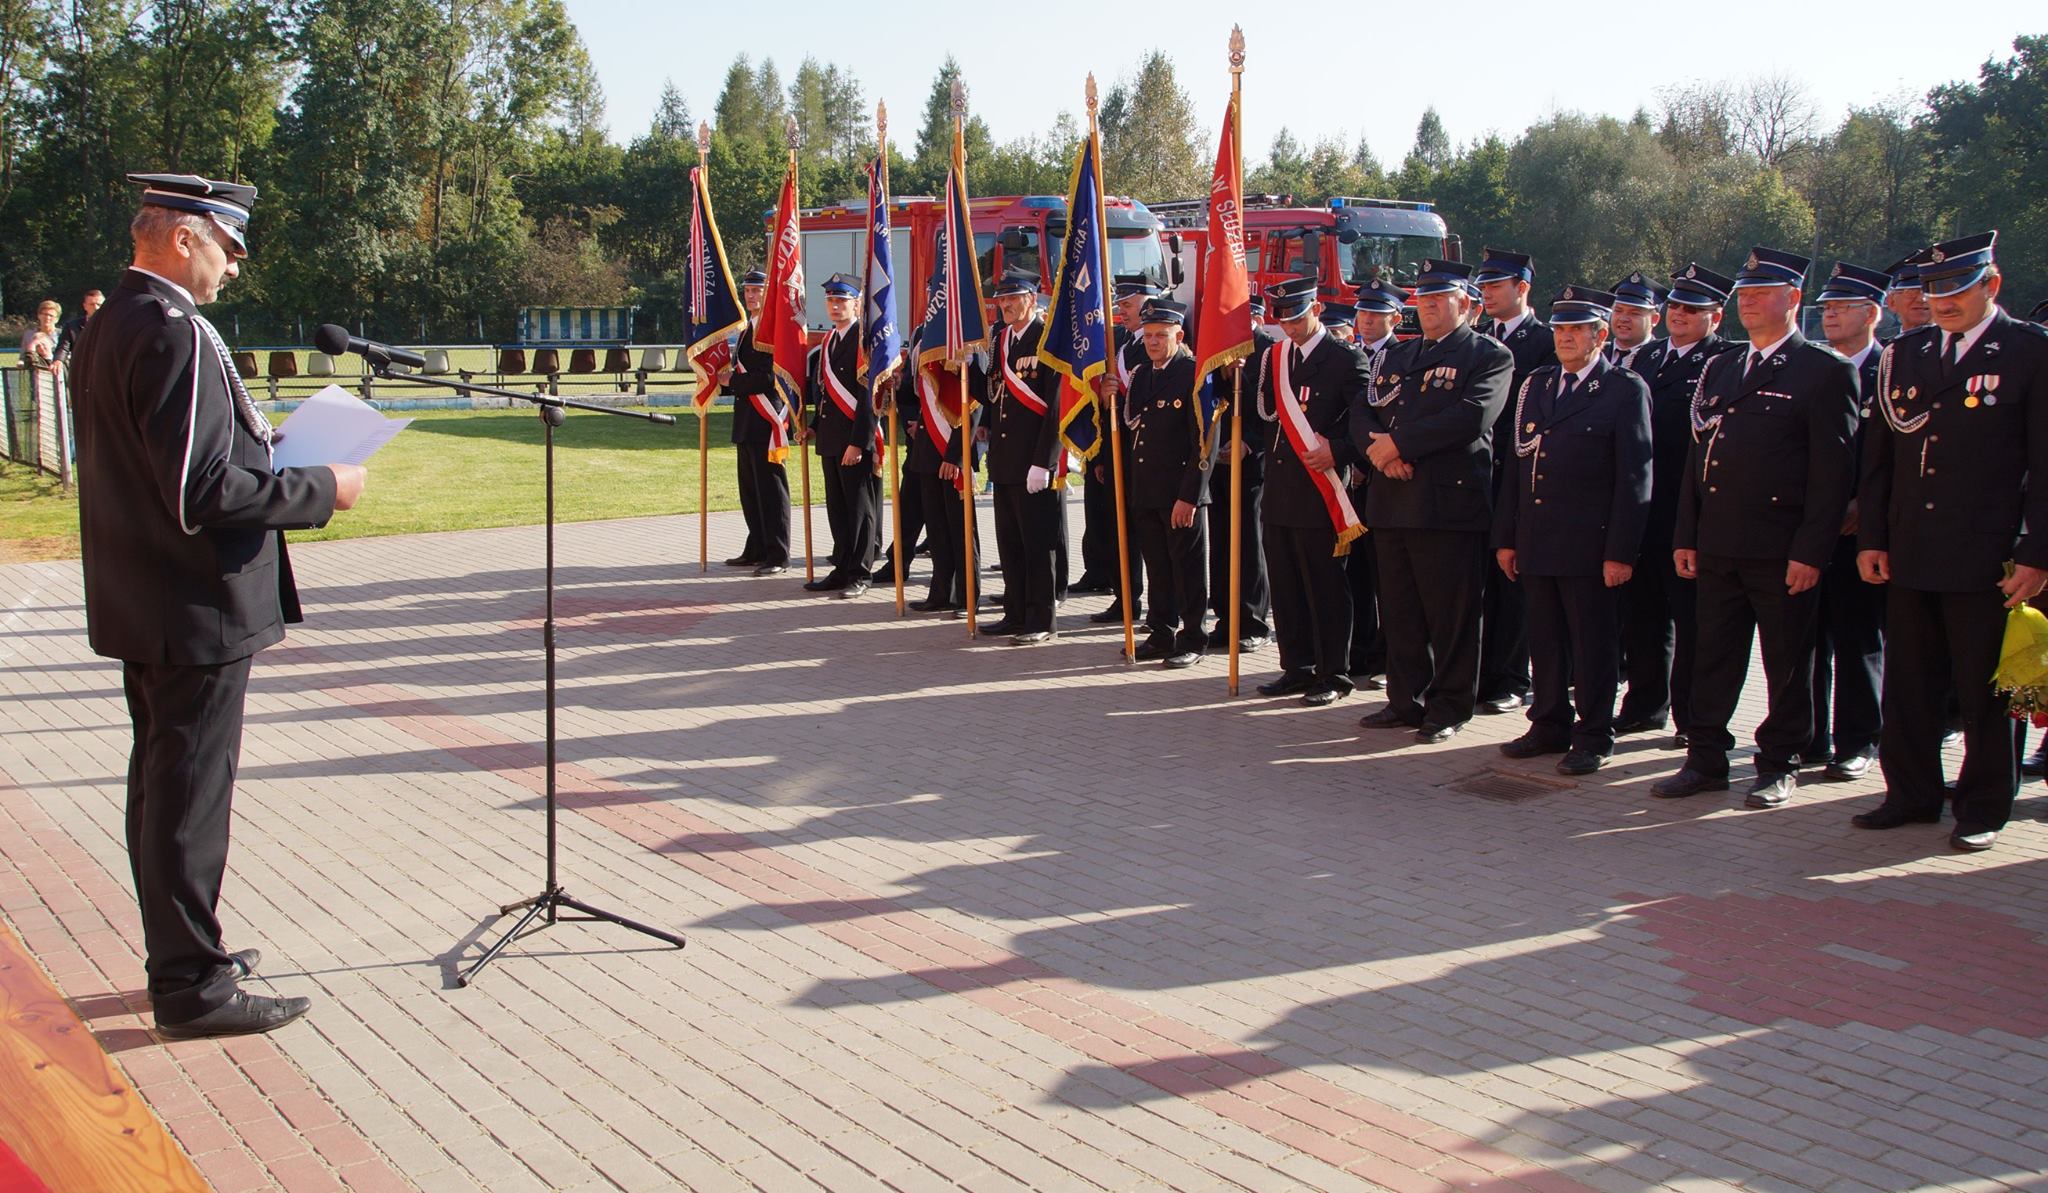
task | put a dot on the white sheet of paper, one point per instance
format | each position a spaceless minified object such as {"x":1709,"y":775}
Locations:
{"x":333,"y":427}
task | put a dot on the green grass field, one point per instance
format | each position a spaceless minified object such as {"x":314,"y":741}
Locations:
{"x":464,"y":469}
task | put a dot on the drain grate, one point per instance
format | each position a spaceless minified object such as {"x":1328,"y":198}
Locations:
{"x":1510,"y":786}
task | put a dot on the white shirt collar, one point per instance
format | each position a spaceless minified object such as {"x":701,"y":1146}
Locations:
{"x":182,"y":292}
{"x":1506,"y":329}
{"x":1771,"y":348}
{"x":1864,"y":355}
{"x":1313,"y":342}
{"x":1586,"y":372}
{"x":1380,"y":343}
{"x":1971,"y":336}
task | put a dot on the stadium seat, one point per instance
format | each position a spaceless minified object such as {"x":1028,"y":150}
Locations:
{"x":583,"y":360}
{"x":437,"y":362}
{"x":511,"y":362}
{"x":652,"y":360}
{"x":319,"y":364}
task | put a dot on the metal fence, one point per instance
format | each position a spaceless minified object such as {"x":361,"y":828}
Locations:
{"x":38,"y":411}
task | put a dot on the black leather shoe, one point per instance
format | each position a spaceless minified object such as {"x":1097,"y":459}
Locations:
{"x":998,"y":629}
{"x":830,"y":582}
{"x":1640,"y":725}
{"x":1112,"y":615}
{"x":1031,"y":637}
{"x":1254,"y":642}
{"x":242,"y":1014}
{"x":1681,"y":740}
{"x":741,"y":561}
{"x":1849,"y":766}
{"x":1580,"y":762}
{"x":1089,"y":586}
{"x":1771,"y":791}
{"x":855,"y":588}
{"x":246,"y":961}
{"x":1369,"y":681}
{"x":1436,"y":735}
{"x":1180,"y":659}
{"x":1387,"y":718}
{"x":1289,"y":684}
{"x":1885,"y":816}
{"x":771,"y":569}
{"x":1688,"y":782}
{"x":1326,"y":692}
{"x":1502,"y":704}
{"x":1153,"y":648}
{"x":2036,"y":763}
{"x":1972,"y":842}
{"x":1951,"y":737}
{"x":928,"y":605}
{"x":1530,"y":746}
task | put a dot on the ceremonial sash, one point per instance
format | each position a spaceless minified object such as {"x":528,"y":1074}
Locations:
{"x":1294,"y":422}
{"x":841,"y":396}
{"x":775,"y":415}
{"x":1015,"y":384}
{"x":937,"y":426}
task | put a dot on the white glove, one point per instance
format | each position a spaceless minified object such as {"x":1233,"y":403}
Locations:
{"x":1036,"y":480}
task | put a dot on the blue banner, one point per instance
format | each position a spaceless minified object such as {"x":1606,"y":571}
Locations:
{"x":880,"y":338}
{"x":1076,"y":340}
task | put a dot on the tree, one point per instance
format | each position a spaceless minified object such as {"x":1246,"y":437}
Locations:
{"x":1149,"y":136}
{"x":1774,"y":117}
{"x":927,"y":169}
{"x":1432,"y":143}
{"x":672,"y":116}
{"x":1986,"y":157}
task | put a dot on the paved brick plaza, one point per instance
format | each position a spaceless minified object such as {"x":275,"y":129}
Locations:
{"x":994,"y":918}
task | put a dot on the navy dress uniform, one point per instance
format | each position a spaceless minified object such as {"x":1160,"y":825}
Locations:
{"x":1304,"y":547}
{"x":845,"y":418}
{"x":1254,"y":596}
{"x":1169,"y":454}
{"x":934,"y":441}
{"x":1578,"y":498}
{"x":1504,"y":643}
{"x":1949,"y":495}
{"x":1637,"y":291}
{"x":1440,"y":401}
{"x":1848,"y":657}
{"x":1767,"y":484}
{"x":1361,"y":567}
{"x":763,"y":482}
{"x":1024,"y":450}
{"x":186,"y":578}
{"x":1098,"y":494}
{"x":1657,"y":604}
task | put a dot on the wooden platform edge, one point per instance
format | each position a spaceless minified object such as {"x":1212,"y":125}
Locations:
{"x":67,"y":1112}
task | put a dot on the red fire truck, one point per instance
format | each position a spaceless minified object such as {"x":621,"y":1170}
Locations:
{"x":1343,"y":243}
{"x":1022,"y":232}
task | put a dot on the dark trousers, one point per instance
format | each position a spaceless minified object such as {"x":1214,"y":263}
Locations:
{"x":910,"y":512}
{"x":1027,"y":545}
{"x":764,"y":504}
{"x":1431,"y":583}
{"x":1742,"y":601}
{"x":1504,"y":638}
{"x":1136,"y":561}
{"x":853,"y":502}
{"x":944,"y":533}
{"x":1574,"y":659}
{"x":1098,"y":524}
{"x":1656,"y":641}
{"x":181,"y":787}
{"x":1178,"y":560}
{"x":1368,"y":637}
{"x":1935,"y":643}
{"x":1254,"y":596}
{"x":1848,"y":660}
{"x":1311,"y":606}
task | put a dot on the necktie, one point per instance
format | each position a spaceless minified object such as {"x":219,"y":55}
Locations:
{"x":1954,"y":356}
{"x":1565,"y":390}
{"x":1293,"y":360}
{"x":1755,"y":359}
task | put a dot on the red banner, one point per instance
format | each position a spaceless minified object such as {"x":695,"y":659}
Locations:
{"x":1223,"y":331}
{"x":782,"y":310}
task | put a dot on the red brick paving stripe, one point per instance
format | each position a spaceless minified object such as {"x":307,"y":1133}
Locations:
{"x":1330,"y":1123}
{"x":240,"y":1108}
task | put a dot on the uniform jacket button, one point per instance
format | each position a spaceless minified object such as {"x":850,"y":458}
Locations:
{"x":1930,"y":505}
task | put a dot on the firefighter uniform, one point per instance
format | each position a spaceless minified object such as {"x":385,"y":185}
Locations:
{"x":1024,"y":449}
{"x":1767,"y":483}
{"x":1504,"y":644}
{"x":763,"y":483}
{"x":1311,"y":602}
{"x":933,"y":441}
{"x":1949,"y":493}
{"x":1168,"y":454}
{"x":1848,"y":656}
{"x":1254,"y":597}
{"x":1126,"y":353}
{"x":1576,"y":498}
{"x":1657,"y":603}
{"x":853,"y":492}
{"x":1439,"y":400}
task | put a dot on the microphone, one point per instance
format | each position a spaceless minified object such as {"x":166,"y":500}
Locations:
{"x":333,"y":339}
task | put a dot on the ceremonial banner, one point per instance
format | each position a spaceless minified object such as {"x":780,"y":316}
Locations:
{"x":781,"y":332}
{"x":1223,"y":329}
{"x":715,"y":314}
{"x":1076,"y":342}
{"x":881,"y":343}
{"x":955,"y":314}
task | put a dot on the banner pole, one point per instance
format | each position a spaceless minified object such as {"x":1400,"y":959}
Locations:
{"x":1236,"y":556}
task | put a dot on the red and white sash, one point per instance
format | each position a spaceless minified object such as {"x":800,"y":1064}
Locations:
{"x":843,"y":398}
{"x":1304,"y":438}
{"x":774,"y":413}
{"x":1015,"y":384}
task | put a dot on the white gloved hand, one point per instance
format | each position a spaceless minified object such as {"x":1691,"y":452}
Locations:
{"x":1037,"y":479}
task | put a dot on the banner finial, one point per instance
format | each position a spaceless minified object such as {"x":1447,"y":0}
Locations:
{"x":1236,"y":49}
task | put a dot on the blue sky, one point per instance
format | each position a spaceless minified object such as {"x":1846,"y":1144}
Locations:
{"x":1362,"y":68}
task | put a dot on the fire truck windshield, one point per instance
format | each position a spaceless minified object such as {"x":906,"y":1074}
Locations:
{"x":1395,"y":258}
{"x":1131,"y":250}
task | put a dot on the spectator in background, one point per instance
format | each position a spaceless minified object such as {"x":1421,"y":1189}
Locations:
{"x":39,"y":342}
{"x":72,"y":328}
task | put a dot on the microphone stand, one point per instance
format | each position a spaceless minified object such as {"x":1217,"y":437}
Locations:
{"x":552,"y":898}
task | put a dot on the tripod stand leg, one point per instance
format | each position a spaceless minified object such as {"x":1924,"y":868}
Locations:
{"x":538,"y":905}
{"x":613,"y":918}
